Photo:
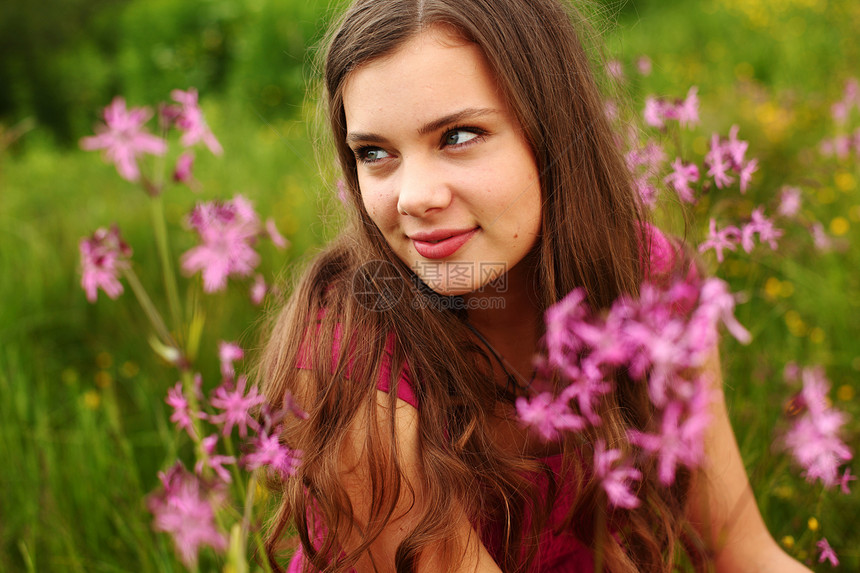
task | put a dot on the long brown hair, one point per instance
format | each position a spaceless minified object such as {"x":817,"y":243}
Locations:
{"x":589,"y":237}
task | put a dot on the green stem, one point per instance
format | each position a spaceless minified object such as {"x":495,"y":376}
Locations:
{"x":246,"y":521}
{"x":194,"y":410}
{"x":249,"y":503}
{"x":148,"y":307}
{"x":231,"y":451}
{"x":161,"y":240}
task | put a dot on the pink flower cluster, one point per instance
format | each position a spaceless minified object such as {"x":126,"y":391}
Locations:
{"x":683,"y":174}
{"x":813,"y":438}
{"x":124,"y":139}
{"x":728,"y":155}
{"x":827,"y":553}
{"x":646,"y":163}
{"x":188,"y":118}
{"x":843,"y":142}
{"x":186,"y":509}
{"x":789,"y":201}
{"x":658,"y":339}
{"x":725,"y":160}
{"x":228,"y":231}
{"x":186,"y":506}
{"x":103,"y":256}
{"x":841,"y":110}
{"x":686,"y":112}
{"x":727,"y":238}
{"x":616,"y":481}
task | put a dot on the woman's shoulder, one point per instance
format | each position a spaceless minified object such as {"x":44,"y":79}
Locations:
{"x":402,"y":382}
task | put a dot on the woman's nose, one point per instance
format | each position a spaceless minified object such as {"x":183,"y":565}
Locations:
{"x":423,"y":188}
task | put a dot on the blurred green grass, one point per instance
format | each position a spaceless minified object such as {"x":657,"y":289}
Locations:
{"x":83,"y":426}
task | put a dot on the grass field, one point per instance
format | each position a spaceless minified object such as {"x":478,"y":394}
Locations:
{"x":83,"y":424}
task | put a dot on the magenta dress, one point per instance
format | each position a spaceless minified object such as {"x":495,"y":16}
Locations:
{"x":556,"y":553}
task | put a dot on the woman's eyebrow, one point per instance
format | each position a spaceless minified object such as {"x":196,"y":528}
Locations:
{"x":456,"y":117}
{"x":429,"y":127}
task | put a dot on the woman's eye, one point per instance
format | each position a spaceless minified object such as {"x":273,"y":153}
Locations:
{"x":370,"y":154}
{"x":459,"y":136}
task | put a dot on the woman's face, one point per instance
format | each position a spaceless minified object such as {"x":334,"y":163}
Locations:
{"x":443,"y":167}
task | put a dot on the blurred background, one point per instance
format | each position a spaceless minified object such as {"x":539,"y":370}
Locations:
{"x":83,"y":424}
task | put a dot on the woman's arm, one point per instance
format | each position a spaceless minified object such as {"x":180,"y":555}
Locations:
{"x":722,"y":504}
{"x":408,"y":510}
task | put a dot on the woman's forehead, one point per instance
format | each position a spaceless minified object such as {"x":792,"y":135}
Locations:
{"x":433,"y":74}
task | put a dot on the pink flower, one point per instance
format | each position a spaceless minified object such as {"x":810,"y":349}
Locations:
{"x":735,"y":148}
{"x":214,"y":461}
{"x":273,"y":233}
{"x":181,"y":414}
{"x":611,"y":109}
{"x":719,"y":171}
{"x":292,"y":407}
{"x":103,"y":256}
{"x":720,"y":240}
{"x":342,"y":192}
{"x":856,"y":142}
{"x":184,"y":509}
{"x":258,"y":289}
{"x":236,"y":406}
{"x":547,"y":415}
{"x":681,"y":437}
{"x":718,"y":163}
{"x":124,"y":139}
{"x":852,"y":91}
{"x":745,"y":174}
{"x":615,"y":482}
{"x":654,"y":113}
{"x":228,"y":231}
{"x":228,"y":353}
{"x":820,"y":238}
{"x":653,"y":157}
{"x":615,"y":69}
{"x":789,"y":201}
{"x":586,"y":389}
{"x":760,"y":224}
{"x":688,"y":110}
{"x":685,"y":112}
{"x":643,"y":65}
{"x":269,"y":452}
{"x":183,"y":171}
{"x":563,"y":349}
{"x":842,"y":146}
{"x":647,"y":192}
{"x":718,"y":305}
{"x":189,"y":119}
{"x":813,"y":439}
{"x":840,"y":111}
{"x":680,"y":179}
{"x":843,"y":481}
{"x":827,"y":553}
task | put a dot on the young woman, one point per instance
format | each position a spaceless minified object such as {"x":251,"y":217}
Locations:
{"x":484,"y":184}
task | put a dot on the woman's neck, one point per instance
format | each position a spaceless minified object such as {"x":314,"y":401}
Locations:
{"x":509,"y":318}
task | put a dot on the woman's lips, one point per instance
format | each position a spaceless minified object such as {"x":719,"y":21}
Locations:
{"x":444,"y":248}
